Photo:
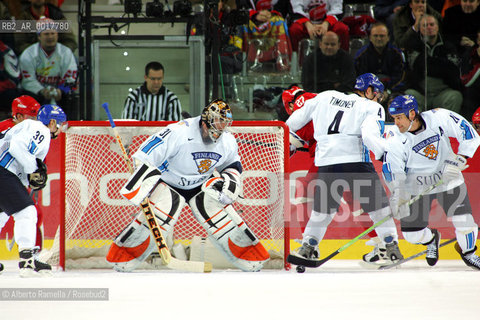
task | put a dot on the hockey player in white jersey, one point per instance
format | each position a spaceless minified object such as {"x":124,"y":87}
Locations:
{"x":346,"y":127}
{"x":418,"y":154}
{"x":193,"y":161}
{"x":23,"y":149}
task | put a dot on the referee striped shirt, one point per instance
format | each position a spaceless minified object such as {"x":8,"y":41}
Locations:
{"x":144,"y":106}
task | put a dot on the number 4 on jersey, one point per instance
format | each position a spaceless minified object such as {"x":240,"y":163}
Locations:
{"x":333,"y":127}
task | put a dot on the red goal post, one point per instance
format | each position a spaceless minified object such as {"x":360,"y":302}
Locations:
{"x":93,"y":171}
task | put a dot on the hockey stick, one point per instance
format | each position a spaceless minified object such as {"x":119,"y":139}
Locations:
{"x":294,"y":259}
{"x":167,"y":259}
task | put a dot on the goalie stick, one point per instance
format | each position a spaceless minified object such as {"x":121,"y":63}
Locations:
{"x":167,"y":259}
{"x":309,"y":263}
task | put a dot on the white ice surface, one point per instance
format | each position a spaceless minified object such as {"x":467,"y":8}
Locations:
{"x":337,"y":290}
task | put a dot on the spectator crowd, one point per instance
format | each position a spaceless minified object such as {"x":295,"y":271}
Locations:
{"x":426,"y":49}
{"x":430,"y":50}
{"x":39,"y":62}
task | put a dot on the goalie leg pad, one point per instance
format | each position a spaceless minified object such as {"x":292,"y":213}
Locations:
{"x":131,"y":247}
{"x":135,"y":243}
{"x":229,"y":233}
{"x":140,"y":184}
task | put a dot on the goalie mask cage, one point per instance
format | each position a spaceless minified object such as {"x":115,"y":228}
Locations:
{"x":93,"y":172}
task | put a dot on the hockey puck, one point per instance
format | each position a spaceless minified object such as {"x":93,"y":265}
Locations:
{"x":300,"y":269}
{"x":1,"y":267}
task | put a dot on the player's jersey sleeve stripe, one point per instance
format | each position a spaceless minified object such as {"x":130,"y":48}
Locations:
{"x":32,"y":147}
{"x":387,"y":172}
{"x":6,"y":159}
{"x":467,"y":130}
{"x":152,"y":144}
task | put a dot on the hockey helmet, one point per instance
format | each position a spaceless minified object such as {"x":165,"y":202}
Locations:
{"x":217,"y":116}
{"x":288,"y":96}
{"x":51,"y":112}
{"x":476,"y":120}
{"x":403,"y":104}
{"x":369,"y":80}
{"x":25,"y":105}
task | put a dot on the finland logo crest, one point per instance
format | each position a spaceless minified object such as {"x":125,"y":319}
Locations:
{"x":428,"y":147}
{"x":205,"y":160}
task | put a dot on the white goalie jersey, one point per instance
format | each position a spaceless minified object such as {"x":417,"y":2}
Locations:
{"x":182,"y":157}
{"x":418,"y":159}
{"x":346,"y":127}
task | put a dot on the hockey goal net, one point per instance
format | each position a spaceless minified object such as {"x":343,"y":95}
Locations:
{"x":94,"y":171}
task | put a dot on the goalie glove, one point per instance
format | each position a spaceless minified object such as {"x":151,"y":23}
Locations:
{"x":38,"y":179}
{"x":232,"y":186}
{"x":224,"y":188}
{"x":453,"y":166}
{"x":399,"y":203}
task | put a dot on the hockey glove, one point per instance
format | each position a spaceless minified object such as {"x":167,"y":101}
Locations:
{"x":224,"y":188}
{"x":38,"y":179}
{"x":232,"y":186}
{"x":453,"y":166}
{"x":399,"y":203}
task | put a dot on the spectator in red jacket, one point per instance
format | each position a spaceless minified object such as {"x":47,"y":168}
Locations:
{"x":313,"y":18}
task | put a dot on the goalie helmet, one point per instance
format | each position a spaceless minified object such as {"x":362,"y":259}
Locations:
{"x":403,"y":104}
{"x":25,"y":105}
{"x":217,"y":116}
{"x":51,"y":112}
{"x":369,"y":80}
{"x":288,"y":96}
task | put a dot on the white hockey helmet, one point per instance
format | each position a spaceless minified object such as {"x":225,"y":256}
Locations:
{"x":217,"y":116}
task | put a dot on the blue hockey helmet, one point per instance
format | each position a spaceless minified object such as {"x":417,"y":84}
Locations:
{"x":403,"y":104}
{"x":51,"y":112}
{"x":369,"y":80}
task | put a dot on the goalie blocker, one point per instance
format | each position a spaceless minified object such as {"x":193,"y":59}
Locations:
{"x":226,"y":229}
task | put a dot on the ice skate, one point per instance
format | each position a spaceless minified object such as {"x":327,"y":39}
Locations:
{"x":309,"y":249}
{"x":379,"y":253}
{"x":30,"y":266}
{"x":393,"y":252}
{"x":432,"y":248}
{"x":469,"y":257}
{"x":306,"y":256}
{"x":383,"y":254}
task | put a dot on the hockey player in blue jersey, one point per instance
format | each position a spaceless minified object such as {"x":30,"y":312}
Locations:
{"x":418,"y":154}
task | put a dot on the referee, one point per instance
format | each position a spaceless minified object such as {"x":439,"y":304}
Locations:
{"x":152,"y":101}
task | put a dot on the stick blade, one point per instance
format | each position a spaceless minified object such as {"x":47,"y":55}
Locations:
{"x":190,"y":266}
{"x":300,"y":261}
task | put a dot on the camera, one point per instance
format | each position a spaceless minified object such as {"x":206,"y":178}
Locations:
{"x":154,"y":9}
{"x":182,"y":8}
{"x":236,"y":17}
{"x":133,"y":6}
